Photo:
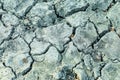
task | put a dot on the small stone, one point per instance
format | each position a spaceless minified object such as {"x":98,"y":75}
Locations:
{"x":112,"y":29}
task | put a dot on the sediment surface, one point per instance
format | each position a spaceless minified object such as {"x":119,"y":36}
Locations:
{"x":59,"y":39}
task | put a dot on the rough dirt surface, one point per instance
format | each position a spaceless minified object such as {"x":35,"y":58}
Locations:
{"x":59,"y":39}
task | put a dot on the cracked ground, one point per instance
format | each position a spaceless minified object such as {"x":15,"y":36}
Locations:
{"x":59,"y":40}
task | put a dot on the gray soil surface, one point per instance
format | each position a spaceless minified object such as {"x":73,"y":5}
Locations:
{"x":59,"y":39}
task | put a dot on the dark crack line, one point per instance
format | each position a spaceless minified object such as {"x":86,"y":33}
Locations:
{"x":3,"y":22}
{"x":77,"y":64}
{"x":110,"y":6}
{"x":115,"y":60}
{"x":77,"y":47}
{"x":8,"y":11}
{"x":70,"y":37}
{"x":2,"y":50}
{"x":110,"y":28}
{"x":101,"y":68}
{"x":94,"y":26}
{"x":29,"y":8}
{"x":67,"y":74}
{"x":51,"y":44}
{"x":44,"y":52}
{"x":84,"y":8}
{"x":2,"y":6}
{"x":31,"y":64}
{"x":118,"y":34}
{"x":60,"y":52}
{"x":98,"y":38}
{"x":15,"y":75}
{"x":9,"y":36}
{"x":58,"y":16}
{"x":84,"y":67}
{"x":0,"y":16}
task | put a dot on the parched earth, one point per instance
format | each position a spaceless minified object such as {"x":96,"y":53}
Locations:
{"x":59,"y":39}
